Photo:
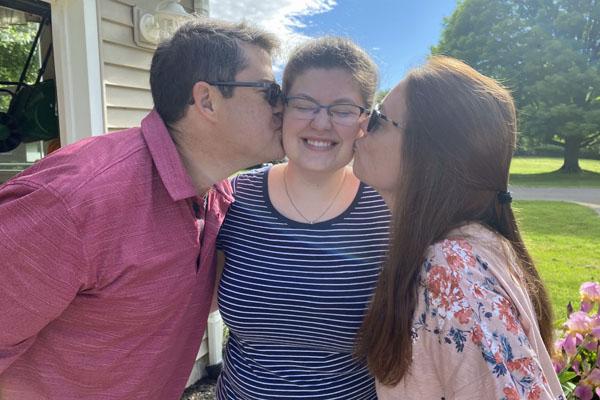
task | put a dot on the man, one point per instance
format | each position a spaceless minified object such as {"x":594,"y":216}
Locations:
{"x":107,"y":246}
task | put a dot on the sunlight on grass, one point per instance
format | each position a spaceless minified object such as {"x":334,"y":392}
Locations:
{"x":543,"y":172}
{"x":536,"y":165}
{"x":564,"y":241}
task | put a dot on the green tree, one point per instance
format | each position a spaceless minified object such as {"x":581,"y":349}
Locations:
{"x":15,"y":44}
{"x":548,"y":53}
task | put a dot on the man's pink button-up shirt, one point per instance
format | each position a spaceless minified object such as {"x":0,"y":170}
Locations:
{"x":106,"y":274}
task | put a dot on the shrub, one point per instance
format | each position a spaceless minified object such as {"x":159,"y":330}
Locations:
{"x":576,"y":352}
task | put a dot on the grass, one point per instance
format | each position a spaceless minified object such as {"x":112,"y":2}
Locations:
{"x":564,"y":241}
{"x":543,"y":172}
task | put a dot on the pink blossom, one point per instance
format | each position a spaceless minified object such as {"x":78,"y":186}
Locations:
{"x":570,"y":345}
{"x":582,"y":331}
{"x":579,"y":322}
{"x":558,"y":361}
{"x":586,"y":306}
{"x":595,"y":325}
{"x":594,"y":377}
{"x":583,"y":392}
{"x":590,"y":291}
{"x":558,"y":365}
{"x":592,"y":345}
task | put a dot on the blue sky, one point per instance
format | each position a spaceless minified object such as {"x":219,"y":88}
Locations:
{"x":397,"y":33}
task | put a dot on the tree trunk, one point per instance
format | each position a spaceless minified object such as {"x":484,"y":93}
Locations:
{"x":571,"y":160}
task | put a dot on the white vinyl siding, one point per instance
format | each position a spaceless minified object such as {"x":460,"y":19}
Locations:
{"x":125,"y":65}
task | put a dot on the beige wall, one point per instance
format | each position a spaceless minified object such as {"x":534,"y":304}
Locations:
{"x":125,"y":65}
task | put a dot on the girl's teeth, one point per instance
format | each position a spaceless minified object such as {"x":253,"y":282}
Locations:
{"x":318,"y":143}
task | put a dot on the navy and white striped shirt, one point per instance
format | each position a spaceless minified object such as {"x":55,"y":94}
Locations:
{"x":294,"y":296}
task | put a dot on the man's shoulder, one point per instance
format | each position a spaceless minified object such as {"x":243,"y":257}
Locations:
{"x":81,"y":165}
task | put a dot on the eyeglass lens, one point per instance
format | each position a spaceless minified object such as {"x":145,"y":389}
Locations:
{"x":273,"y":94}
{"x":342,"y":114}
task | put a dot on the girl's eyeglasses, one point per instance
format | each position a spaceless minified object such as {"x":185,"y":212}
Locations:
{"x":345,"y":114}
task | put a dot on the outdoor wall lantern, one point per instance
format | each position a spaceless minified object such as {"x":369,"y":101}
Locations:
{"x":151,"y":27}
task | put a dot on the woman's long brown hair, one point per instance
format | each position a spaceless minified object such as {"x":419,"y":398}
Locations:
{"x":458,"y":141}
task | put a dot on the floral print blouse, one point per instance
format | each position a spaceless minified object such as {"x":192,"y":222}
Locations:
{"x":475,"y":334}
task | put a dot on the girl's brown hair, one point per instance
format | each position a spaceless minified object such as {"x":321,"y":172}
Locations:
{"x":332,"y":52}
{"x":458,"y":141}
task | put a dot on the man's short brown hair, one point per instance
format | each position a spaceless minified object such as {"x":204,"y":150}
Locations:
{"x":203,"y":50}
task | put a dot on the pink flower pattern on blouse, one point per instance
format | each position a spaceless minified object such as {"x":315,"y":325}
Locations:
{"x":464,"y":303}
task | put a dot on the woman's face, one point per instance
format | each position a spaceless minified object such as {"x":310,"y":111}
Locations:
{"x":377,"y":153}
{"x":315,"y":141}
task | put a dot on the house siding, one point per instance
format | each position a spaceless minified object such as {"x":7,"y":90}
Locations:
{"x":125,"y":65}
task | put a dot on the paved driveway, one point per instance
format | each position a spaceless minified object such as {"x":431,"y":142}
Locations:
{"x":586,"y":197}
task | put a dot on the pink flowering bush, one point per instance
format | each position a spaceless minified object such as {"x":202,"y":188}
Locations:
{"x":576,"y":352}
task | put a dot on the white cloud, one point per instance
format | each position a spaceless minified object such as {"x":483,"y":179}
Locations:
{"x":282,"y":17}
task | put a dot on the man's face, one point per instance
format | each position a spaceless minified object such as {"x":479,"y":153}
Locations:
{"x":253,"y":126}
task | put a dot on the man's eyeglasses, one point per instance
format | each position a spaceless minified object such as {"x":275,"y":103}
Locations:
{"x":345,"y":114}
{"x":272,"y":89}
{"x":375,"y":120}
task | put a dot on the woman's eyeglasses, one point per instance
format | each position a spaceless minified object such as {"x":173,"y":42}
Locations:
{"x":375,"y":120}
{"x":345,"y":114}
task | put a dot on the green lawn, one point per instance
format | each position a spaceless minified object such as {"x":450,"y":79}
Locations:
{"x":543,"y":172}
{"x":564,"y":241}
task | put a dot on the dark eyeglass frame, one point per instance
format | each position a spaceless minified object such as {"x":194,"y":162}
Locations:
{"x":375,"y":117}
{"x":272,"y":93}
{"x":318,"y":106}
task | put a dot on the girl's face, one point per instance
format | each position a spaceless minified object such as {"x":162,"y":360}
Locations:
{"x":312,"y":138}
{"x":377,"y":153}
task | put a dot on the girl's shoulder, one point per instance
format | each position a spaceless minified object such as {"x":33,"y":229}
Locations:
{"x":251,"y":179}
{"x":470,"y":309}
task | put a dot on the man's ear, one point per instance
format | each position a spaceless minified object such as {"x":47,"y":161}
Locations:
{"x":206,"y":99}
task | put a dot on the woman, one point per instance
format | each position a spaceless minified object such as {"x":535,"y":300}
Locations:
{"x":460,"y":311}
{"x":304,"y":242}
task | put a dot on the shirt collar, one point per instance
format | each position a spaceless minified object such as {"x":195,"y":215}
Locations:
{"x":166,"y":158}
{"x":168,"y":162}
